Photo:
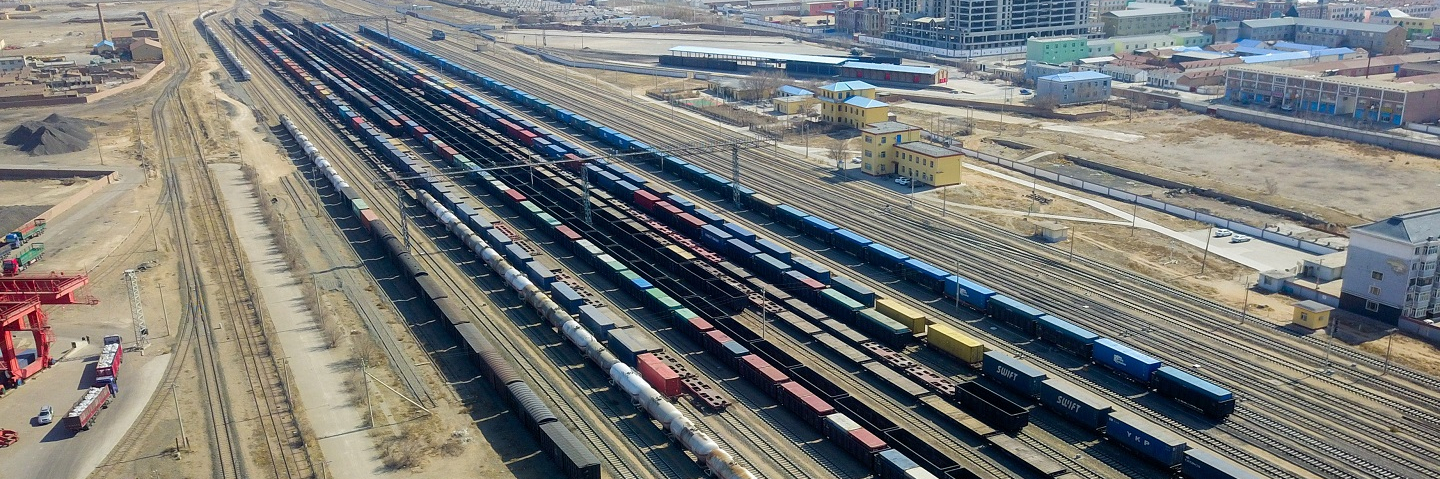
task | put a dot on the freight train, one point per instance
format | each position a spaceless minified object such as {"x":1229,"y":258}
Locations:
{"x":240,"y":73}
{"x":1206,"y":397}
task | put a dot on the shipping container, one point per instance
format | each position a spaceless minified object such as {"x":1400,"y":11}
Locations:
{"x":839,"y":305}
{"x":850,"y":242}
{"x":773,"y":249}
{"x":566,"y":297}
{"x":882,"y":329}
{"x":599,"y":321}
{"x":739,"y":232}
{"x":885,"y":257}
{"x":628,"y":344}
{"x":539,"y":274}
{"x":1147,"y":438}
{"x":903,"y":314}
{"x":658,"y":374}
{"x":818,"y":228}
{"x":892,"y":464}
{"x":955,"y":343}
{"x":769,"y":267}
{"x":1065,"y":335}
{"x":714,"y":236}
{"x":1216,"y":402}
{"x":1014,"y":313}
{"x":790,"y":216}
{"x":1122,"y":359}
{"x":854,"y":290}
{"x":1013,"y":373}
{"x":812,"y":269}
{"x":809,"y":406}
{"x":1203,"y":464}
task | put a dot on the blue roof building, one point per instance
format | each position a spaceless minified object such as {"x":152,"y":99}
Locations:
{"x":1073,"y":87}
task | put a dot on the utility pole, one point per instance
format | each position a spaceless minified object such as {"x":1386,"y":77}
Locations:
{"x":1204,"y":259}
{"x":1134,"y":212}
{"x":1072,"y":242}
{"x":735,"y":173}
{"x":1389,"y":341}
{"x":585,"y":194}
{"x":1245,"y":308}
{"x":137,"y":313}
{"x":175,"y":398}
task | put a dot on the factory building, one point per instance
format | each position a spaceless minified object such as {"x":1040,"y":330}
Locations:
{"x":851,"y":103}
{"x":1144,"y":21}
{"x":1362,"y":99}
{"x":1391,"y":268}
{"x":1074,"y":87}
{"x":894,"y":148}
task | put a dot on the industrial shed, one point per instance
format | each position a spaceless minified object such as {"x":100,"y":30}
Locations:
{"x":894,"y":73}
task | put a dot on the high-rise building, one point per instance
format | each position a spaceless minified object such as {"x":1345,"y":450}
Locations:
{"x":985,"y":26}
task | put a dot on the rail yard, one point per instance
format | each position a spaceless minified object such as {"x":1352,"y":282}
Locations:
{"x":539,"y":276}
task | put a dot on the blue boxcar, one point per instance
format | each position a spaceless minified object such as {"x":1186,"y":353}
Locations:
{"x":682,"y":203}
{"x":566,"y":297}
{"x":773,"y":249}
{"x":818,"y":228}
{"x":1010,"y":311}
{"x":516,"y":254}
{"x":968,"y":292}
{"x":735,"y":247}
{"x":885,"y":257}
{"x":539,"y":274}
{"x":1216,"y":402}
{"x":1145,"y":437}
{"x":850,"y":242}
{"x":739,"y":232}
{"x":709,"y":217}
{"x":714,"y":237}
{"x":1013,"y":373}
{"x":926,"y":275}
{"x":816,"y":271}
{"x":790,"y":215}
{"x":692,"y":172}
{"x":769,"y":267}
{"x":715,"y":183}
{"x":1075,"y":404}
{"x":1066,"y":336}
{"x":854,"y":290}
{"x":1126,"y":361}
{"x":1203,"y":464}
{"x":634,"y":179}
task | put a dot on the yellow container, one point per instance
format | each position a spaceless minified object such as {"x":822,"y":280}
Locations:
{"x":956,"y":343}
{"x":903,"y":314}
{"x":678,"y":254}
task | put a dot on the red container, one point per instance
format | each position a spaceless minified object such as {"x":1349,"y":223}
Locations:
{"x":646,"y":200}
{"x":568,"y":233}
{"x":714,"y":339}
{"x":866,"y":442}
{"x":572,"y":162}
{"x":515,"y":196}
{"x":527,"y":137}
{"x":698,"y":328}
{"x":367,"y":218}
{"x":688,"y":224}
{"x":819,"y":407}
{"x":658,"y":374}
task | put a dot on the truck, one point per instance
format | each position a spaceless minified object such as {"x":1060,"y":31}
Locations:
{"x":82,"y":415}
{"x":436,"y":34}
{"x":107,"y":369}
{"x":22,"y":260}
{"x":26,"y":232}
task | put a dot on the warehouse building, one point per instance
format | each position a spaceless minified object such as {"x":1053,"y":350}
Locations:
{"x":891,"y":147}
{"x":851,"y":103}
{"x":1376,"y":39}
{"x":1363,"y":99}
{"x":908,"y":74}
{"x":1144,"y":21}
{"x":1074,"y":87}
{"x":1391,"y":268}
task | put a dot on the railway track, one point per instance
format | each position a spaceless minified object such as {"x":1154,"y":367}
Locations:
{"x":593,"y":114}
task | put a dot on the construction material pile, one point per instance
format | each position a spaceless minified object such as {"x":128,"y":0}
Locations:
{"x":52,"y":136}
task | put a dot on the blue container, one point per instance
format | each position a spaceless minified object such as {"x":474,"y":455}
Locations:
{"x":1203,"y":464}
{"x":709,"y":217}
{"x":566,"y":297}
{"x":892,"y":464}
{"x":818,"y":228}
{"x":1066,"y":336}
{"x":682,"y":203}
{"x":814,"y":270}
{"x":516,"y":254}
{"x":638,"y":284}
{"x":1145,"y":437}
{"x":599,"y":321}
{"x":790,"y":215}
{"x":737,"y":248}
{"x":496,"y":239}
{"x":739,"y":232}
{"x":969,"y":292}
{"x":854,"y":290}
{"x":885,"y":257}
{"x":926,"y":275}
{"x":1012,"y":312}
{"x":1128,"y":362}
{"x":714,"y":237}
{"x":1013,"y":373}
{"x":773,"y":249}
{"x":850,"y":242}
{"x":693,"y":172}
{"x":628,"y":343}
{"x":1075,"y":404}
{"x":769,"y":267}
{"x":734,"y":348}
{"x":1215,"y":401}
{"x":539,"y":274}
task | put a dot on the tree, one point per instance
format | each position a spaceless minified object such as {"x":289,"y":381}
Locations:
{"x":1046,"y":104}
{"x":837,"y":151}
{"x":764,"y":82}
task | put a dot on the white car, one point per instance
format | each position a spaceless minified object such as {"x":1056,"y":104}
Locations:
{"x":902,"y":181}
{"x":855,"y":160}
{"x":1222,"y":232}
{"x":1239,"y":239}
{"x":46,"y":416}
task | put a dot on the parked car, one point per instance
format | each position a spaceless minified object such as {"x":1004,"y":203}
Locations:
{"x":855,"y":160}
{"x":1222,"y":232}
{"x":46,"y":416}
{"x":902,"y":181}
{"x":1239,"y":239}
{"x":1024,"y":91}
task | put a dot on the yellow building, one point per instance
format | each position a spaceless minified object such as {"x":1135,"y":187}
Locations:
{"x":791,"y":105}
{"x":1311,"y":315}
{"x":851,"y":103}
{"x":891,"y":147}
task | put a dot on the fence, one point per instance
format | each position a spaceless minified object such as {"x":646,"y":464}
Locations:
{"x":1128,"y":197}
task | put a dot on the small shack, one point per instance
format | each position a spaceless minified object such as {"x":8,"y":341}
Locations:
{"x":1311,"y":315}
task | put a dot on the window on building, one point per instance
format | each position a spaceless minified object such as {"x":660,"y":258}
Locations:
{"x":897,"y":138}
{"x":1374,"y":290}
{"x":1377,"y":276}
{"x":1304,"y":317}
{"x":882,"y":154}
{"x":1372,"y":306}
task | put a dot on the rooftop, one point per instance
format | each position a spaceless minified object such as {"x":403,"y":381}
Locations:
{"x":1055,"y":39}
{"x":752,"y":54}
{"x":794,"y":90}
{"x":852,"y":85}
{"x":886,"y":67}
{"x":927,"y":149}
{"x":1278,"y":56}
{"x":1312,"y":22}
{"x":1313,"y":306}
{"x":1144,"y":12}
{"x":1338,"y":80}
{"x":887,"y":127}
{"x":1076,"y":76}
{"x":1292,"y":46}
{"x":862,"y":102}
{"x":1414,"y":227}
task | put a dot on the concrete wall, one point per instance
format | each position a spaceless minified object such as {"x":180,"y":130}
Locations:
{"x":1428,"y":332}
{"x":1293,"y":125}
{"x":980,"y":105}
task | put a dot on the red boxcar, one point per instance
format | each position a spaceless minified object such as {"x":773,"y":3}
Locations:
{"x":368,"y":218}
{"x":646,"y":200}
{"x":527,"y":137}
{"x":658,"y":374}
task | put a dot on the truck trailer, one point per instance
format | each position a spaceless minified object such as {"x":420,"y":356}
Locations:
{"x":26,"y":232}
{"x":82,"y":415}
{"x":22,"y":259}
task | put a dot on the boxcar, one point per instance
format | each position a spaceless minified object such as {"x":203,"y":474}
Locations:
{"x":1147,"y":438}
{"x":1013,"y":373}
{"x":885,"y":257}
{"x":1216,"y":402}
{"x":1128,"y":362}
{"x":1074,"y":403}
{"x":968,"y":292}
{"x":850,"y":242}
{"x":1018,"y":315}
{"x":925,"y":275}
{"x":1066,"y":336}
{"x":1203,"y":464}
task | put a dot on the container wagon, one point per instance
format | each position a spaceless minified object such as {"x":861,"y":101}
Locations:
{"x":1203,"y":464}
{"x":1075,"y":404}
{"x":1147,"y":438}
{"x":1216,"y":402}
{"x":1013,"y":373}
{"x":955,"y":343}
{"x":1128,"y":362}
